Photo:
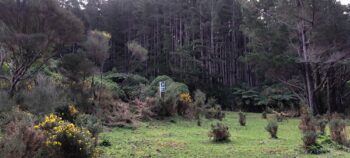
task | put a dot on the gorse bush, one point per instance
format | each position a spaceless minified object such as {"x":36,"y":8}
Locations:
{"x":66,"y":138}
{"x":19,"y":138}
{"x":242,"y":119}
{"x":185,"y":107}
{"x":90,"y":122}
{"x":219,"y":133}
{"x":69,"y":112}
{"x":272,"y":128}
{"x":338,"y":131}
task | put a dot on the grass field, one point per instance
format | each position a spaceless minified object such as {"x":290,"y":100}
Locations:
{"x":184,"y":139}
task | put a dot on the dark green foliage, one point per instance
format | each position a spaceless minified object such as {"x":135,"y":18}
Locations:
{"x":272,"y":128}
{"x":257,"y":99}
{"x":242,"y":118}
{"x":316,"y":149}
{"x":133,"y":86}
{"x":76,"y":66}
{"x":322,"y":123}
{"x":219,"y":133}
{"x":65,"y":112}
{"x":105,"y":142}
{"x":154,"y":85}
{"x":110,"y":85}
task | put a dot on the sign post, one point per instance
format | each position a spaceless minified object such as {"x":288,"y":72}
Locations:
{"x":162,"y":87}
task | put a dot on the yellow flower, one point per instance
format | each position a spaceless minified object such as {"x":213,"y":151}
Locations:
{"x":185,"y":98}
{"x":72,"y":109}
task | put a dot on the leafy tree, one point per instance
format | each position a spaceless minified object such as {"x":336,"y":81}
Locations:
{"x":31,"y":33}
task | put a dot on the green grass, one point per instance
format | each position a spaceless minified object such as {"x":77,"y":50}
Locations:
{"x":185,"y":139}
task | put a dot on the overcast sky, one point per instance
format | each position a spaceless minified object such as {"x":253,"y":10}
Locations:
{"x":345,"y":1}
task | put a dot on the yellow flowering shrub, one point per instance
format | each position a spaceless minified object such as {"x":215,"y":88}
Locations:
{"x":69,"y":112}
{"x":186,"y":98}
{"x":69,"y":139}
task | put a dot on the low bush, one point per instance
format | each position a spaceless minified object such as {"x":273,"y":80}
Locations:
{"x":264,"y":115}
{"x":15,"y":115}
{"x":279,"y":117}
{"x":338,"y":131}
{"x":185,"y":107}
{"x":19,"y":138}
{"x":90,"y":122}
{"x":214,"y":113}
{"x":113,"y":112}
{"x":143,"y":110}
{"x":272,"y":128}
{"x":308,"y":127}
{"x":242,"y":119}
{"x":219,"y":133}
{"x":309,"y":139}
{"x":322,"y":123}
{"x":66,"y":138}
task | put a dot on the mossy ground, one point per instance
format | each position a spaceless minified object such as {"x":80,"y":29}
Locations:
{"x":184,"y":139}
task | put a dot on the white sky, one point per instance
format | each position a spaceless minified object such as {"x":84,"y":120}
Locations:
{"x":345,"y":1}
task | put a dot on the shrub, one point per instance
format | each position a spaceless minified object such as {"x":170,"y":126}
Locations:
{"x":214,"y":113}
{"x":184,"y":106}
{"x":67,"y":138}
{"x":219,"y":133}
{"x":309,"y":138}
{"x":19,"y":138}
{"x":338,"y":131}
{"x":272,"y":128}
{"x":242,"y":118}
{"x":15,"y":115}
{"x":143,"y":110}
{"x":264,"y":115}
{"x":322,"y":123}
{"x":113,"y":112}
{"x":68,"y":113}
{"x":90,"y":122}
{"x":279,"y":117}
{"x":41,"y":97}
{"x":198,"y":105}
{"x":307,"y":123}
{"x":308,"y":126}
{"x":153,"y":87}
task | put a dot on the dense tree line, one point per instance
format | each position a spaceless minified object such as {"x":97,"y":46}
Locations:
{"x":215,"y":45}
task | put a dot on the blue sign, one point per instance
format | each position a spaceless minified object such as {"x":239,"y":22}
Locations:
{"x":162,"y":86}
